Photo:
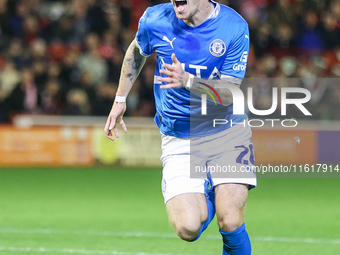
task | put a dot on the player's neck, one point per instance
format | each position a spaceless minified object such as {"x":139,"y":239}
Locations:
{"x":202,"y":14}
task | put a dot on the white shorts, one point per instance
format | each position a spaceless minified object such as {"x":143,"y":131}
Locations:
{"x":188,"y":164}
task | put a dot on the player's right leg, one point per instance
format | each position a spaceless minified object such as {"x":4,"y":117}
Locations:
{"x":187,"y":212}
{"x":190,"y":208}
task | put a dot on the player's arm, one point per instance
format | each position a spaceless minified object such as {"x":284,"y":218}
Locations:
{"x":132,"y":65}
{"x":178,"y":78}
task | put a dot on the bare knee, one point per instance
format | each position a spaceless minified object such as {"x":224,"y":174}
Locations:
{"x":186,"y":213}
{"x":230,"y":205}
{"x":230,"y":222}
{"x":187,"y":232}
{"x":186,"y":225}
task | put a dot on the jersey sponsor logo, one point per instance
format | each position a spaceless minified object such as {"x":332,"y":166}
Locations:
{"x":217,"y":48}
{"x":168,"y":40}
{"x":239,"y":67}
{"x":214,"y":74}
{"x":244,"y":57}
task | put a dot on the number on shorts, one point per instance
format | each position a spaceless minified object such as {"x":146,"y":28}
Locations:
{"x":243,"y":153}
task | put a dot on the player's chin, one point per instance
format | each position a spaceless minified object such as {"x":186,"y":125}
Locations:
{"x":182,"y":16}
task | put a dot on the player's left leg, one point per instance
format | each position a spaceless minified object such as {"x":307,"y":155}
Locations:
{"x":231,"y":159}
{"x":230,"y":209}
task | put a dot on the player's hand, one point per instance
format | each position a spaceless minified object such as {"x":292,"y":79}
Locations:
{"x":116,"y":115}
{"x":177,"y":77}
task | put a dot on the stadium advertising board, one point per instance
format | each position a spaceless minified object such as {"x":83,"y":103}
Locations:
{"x":45,"y":146}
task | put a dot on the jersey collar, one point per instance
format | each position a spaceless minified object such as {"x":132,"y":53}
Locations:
{"x":216,"y":11}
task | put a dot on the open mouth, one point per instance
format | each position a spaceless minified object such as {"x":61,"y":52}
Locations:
{"x":180,"y":5}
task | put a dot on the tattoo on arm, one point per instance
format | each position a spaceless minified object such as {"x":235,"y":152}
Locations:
{"x":133,"y":63}
{"x":139,"y":59}
{"x":129,"y":75}
{"x":131,"y":67}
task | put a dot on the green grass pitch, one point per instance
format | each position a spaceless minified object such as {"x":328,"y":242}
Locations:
{"x":104,"y":210}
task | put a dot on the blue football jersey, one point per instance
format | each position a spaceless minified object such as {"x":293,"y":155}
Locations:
{"x":218,"y":48}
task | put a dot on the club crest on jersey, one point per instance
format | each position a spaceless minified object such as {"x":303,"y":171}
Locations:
{"x":217,"y":48}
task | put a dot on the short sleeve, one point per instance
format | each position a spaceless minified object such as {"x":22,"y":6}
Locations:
{"x":235,"y":63}
{"x":142,"y":36}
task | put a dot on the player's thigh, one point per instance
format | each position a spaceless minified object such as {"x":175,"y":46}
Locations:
{"x":176,"y":177}
{"x":184,"y":196}
{"x":233,"y":159}
{"x":230,"y":201}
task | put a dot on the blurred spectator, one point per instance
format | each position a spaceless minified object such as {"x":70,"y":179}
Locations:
{"x":57,"y":51}
{"x":39,"y":49}
{"x":77,"y":103}
{"x":331,"y":32}
{"x":108,"y":47}
{"x":25,"y":96}
{"x":126,"y":12}
{"x":310,"y":36}
{"x":53,"y":71}
{"x":64,"y":30}
{"x":283,"y":36}
{"x":52,"y":99}
{"x":9,"y":78}
{"x":5,"y":27}
{"x":114,"y":65}
{"x":80,"y":24}
{"x":87,"y":85}
{"x":282,"y":12}
{"x":31,"y":29}
{"x":262,"y":39}
{"x":127,"y":35}
{"x":40,"y":74}
{"x":18,"y":54}
{"x":113,"y":18}
{"x":91,"y":62}
{"x":17,"y":21}
{"x":96,"y":18}
{"x":70,"y":73}
{"x":65,"y":56}
{"x":105,"y":94}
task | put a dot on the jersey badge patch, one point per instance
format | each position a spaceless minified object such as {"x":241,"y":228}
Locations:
{"x":217,"y":48}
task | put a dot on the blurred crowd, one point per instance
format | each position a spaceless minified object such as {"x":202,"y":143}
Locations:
{"x":63,"y":57}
